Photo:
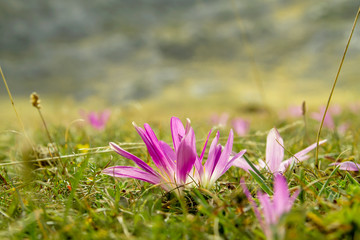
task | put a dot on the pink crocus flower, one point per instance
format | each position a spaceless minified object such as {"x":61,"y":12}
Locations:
{"x":275,"y":155}
{"x":219,"y":159}
{"x":334,"y":109}
{"x":348,"y":166}
{"x":97,"y":120}
{"x":328,"y":120}
{"x":240,"y":126}
{"x":291,"y":111}
{"x":220,"y":120}
{"x":354,"y":107}
{"x":274,"y":209}
{"x":178,"y":166}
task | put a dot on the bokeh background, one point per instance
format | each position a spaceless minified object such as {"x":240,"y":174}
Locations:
{"x":171,"y":51}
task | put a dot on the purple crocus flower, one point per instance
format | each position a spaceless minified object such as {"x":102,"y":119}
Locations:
{"x":275,"y":155}
{"x":178,"y":166}
{"x":219,"y":160}
{"x":240,"y":126}
{"x":97,"y":120}
{"x":172,"y":166}
{"x":348,"y":166}
{"x":274,"y":209}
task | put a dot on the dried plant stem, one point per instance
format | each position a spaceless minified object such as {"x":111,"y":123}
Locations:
{"x":333,"y":88}
{"x":17,"y":114}
{"x":45,"y":126}
{"x":54,"y":145}
{"x":303,"y":108}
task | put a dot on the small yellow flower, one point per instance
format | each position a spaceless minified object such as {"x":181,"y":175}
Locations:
{"x":83,"y":148}
{"x":89,"y":180}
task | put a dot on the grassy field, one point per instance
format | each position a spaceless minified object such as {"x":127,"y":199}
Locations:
{"x":53,"y":159}
{"x":54,"y":188}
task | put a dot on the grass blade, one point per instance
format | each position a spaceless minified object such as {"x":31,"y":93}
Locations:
{"x":327,"y":181}
{"x":261,"y":183}
{"x":254,"y":168}
{"x":351,"y":179}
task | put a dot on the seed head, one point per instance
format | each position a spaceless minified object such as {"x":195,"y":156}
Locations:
{"x":303,"y":108}
{"x":35,"y":100}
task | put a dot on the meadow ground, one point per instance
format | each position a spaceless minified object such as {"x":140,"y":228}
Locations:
{"x":54,"y":188}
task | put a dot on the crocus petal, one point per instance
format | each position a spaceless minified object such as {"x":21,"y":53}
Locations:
{"x":303,"y":152}
{"x":261,"y":164}
{"x":299,"y":156}
{"x":232,"y":161}
{"x":169,"y":153}
{"x":203,"y":151}
{"x":131,"y":172}
{"x":268,"y":208}
{"x":188,"y":126}
{"x":198,"y":163}
{"x":165,"y":165}
{"x":348,"y":166}
{"x":281,"y":195}
{"x":221,"y":164}
{"x":252,"y":202}
{"x":328,"y":120}
{"x":292,"y":199}
{"x":104,"y":116}
{"x":212,"y":156}
{"x":177,"y":131}
{"x":155,"y":150}
{"x":274,"y":150}
{"x":95,"y":121}
{"x":132,"y":157}
{"x":186,"y":156}
{"x":242,"y":163}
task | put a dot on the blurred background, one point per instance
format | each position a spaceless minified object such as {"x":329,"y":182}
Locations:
{"x":170,"y":51}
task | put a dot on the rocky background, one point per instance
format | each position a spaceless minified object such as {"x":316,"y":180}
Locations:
{"x":123,"y":50}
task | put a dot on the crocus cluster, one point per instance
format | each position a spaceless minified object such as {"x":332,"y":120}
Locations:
{"x":180,"y":166}
{"x":272,"y":209}
{"x":275,"y":154}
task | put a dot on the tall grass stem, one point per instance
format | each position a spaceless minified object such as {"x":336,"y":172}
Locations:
{"x":332,"y":90}
{"x":17,"y":114}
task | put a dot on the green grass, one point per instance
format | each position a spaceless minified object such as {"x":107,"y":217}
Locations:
{"x":69,"y":198}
